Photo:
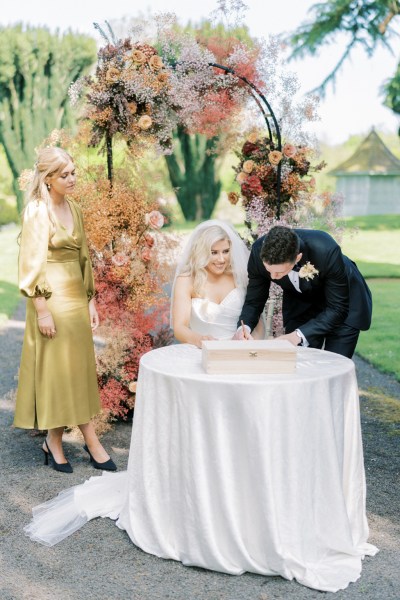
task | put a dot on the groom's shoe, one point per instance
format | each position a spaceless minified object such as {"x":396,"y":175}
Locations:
{"x":108,"y":465}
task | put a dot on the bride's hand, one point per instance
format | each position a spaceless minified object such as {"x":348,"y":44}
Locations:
{"x":203,"y":337}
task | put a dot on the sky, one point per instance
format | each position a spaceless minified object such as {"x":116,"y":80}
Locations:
{"x":352,"y":107}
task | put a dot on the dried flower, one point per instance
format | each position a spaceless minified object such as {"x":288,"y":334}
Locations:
{"x":233,"y":197}
{"x":155,"y":219}
{"x":25,"y":178}
{"x":248,"y":166}
{"x":275,"y":157}
{"x":145,"y":122}
{"x":308,"y":271}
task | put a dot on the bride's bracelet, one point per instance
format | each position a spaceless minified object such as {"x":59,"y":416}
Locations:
{"x":44,"y":316}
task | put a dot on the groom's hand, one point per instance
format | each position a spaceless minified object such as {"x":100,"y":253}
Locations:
{"x":293,"y":338}
{"x":243,"y":333}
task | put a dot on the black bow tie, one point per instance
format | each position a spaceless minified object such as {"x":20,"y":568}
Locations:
{"x":296,"y":268}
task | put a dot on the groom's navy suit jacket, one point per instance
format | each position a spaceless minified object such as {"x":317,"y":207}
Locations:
{"x":337,"y":295}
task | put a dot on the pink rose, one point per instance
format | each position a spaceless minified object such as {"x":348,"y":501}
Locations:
{"x":146,"y":254}
{"x":289,"y":150}
{"x":149,"y":239}
{"x":120,"y":259}
{"x":155,"y":219}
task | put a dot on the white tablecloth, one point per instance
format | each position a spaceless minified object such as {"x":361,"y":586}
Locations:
{"x":259,"y":473}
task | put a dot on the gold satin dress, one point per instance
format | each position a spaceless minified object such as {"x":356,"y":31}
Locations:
{"x":57,"y":379}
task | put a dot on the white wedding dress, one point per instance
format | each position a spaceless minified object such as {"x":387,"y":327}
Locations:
{"x":107,"y":495}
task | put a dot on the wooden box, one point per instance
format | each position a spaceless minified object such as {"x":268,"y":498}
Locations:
{"x":248,"y":356}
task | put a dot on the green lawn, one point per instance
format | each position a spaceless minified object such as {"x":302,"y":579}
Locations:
{"x":9,"y":293}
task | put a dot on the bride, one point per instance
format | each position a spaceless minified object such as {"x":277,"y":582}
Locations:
{"x":207,"y":297}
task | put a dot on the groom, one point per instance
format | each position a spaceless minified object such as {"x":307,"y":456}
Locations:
{"x":325,"y":298}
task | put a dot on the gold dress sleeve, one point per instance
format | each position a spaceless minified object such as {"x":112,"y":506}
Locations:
{"x":84,"y":260}
{"x":32,"y":261}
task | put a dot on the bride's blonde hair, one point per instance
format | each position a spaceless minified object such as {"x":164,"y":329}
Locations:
{"x":200,"y":256}
{"x":50,"y":161}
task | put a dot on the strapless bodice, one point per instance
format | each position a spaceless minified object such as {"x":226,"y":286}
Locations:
{"x":217,"y":320}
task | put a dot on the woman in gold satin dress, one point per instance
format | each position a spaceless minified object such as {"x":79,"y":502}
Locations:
{"x":57,"y":380}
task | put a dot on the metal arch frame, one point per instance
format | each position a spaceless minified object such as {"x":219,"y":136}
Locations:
{"x":258,"y":97}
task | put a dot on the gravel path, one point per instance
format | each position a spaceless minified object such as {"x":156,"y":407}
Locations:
{"x":100,"y":563}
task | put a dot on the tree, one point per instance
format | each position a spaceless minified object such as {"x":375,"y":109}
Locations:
{"x":365,"y":23}
{"x":36,"y":70}
{"x":193,"y":174}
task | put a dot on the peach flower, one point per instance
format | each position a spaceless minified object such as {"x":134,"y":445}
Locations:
{"x":289,"y":150}
{"x":145,"y":122}
{"x":241,"y":178}
{"x":248,"y":166}
{"x":155,"y":219}
{"x":163,"y":77}
{"x":252,"y":138}
{"x":112,"y":75}
{"x":156,"y":62}
{"x":275,"y":157}
{"x":132,"y":387}
{"x":138,"y":57}
{"x":312,"y":183}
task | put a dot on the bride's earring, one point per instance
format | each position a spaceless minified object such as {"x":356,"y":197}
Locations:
{"x":48,"y":186}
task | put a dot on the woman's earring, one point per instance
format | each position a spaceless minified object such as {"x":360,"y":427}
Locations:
{"x":48,"y":186}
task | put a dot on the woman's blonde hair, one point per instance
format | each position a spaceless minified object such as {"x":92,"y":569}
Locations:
{"x":200,"y":256}
{"x":50,"y":161}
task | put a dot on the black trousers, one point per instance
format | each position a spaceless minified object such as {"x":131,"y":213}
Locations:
{"x":342,"y":341}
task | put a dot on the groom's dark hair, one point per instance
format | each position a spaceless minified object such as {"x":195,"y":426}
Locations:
{"x":281,"y":245}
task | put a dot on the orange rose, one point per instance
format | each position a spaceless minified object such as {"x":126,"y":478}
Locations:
{"x":163,"y":77}
{"x":241,"y":178}
{"x":155,"y":219}
{"x":252,"y":138}
{"x":132,"y":107}
{"x":138,"y":57}
{"x":275,"y":157}
{"x":289,"y":150}
{"x":145,"y":122}
{"x":156,"y":62}
{"x":112,"y":75}
{"x":248,"y":166}
{"x":233,"y":198}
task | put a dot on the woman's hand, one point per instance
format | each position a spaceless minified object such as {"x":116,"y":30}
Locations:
{"x":200,"y":338}
{"x":46,"y":324}
{"x":94,"y":317}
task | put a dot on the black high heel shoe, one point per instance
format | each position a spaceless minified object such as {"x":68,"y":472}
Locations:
{"x":61,"y":467}
{"x":108,"y":465}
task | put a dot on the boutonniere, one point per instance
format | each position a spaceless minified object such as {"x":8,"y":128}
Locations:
{"x":308,"y":271}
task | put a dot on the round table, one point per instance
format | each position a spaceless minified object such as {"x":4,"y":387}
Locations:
{"x":258,"y":473}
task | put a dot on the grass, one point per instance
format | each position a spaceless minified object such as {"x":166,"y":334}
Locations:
{"x":9,"y":293}
{"x":380,"y":345}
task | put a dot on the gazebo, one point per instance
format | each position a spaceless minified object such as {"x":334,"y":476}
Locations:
{"x":370,"y":179}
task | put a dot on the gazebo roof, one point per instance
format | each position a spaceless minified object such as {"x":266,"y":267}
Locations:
{"x":372,"y":157}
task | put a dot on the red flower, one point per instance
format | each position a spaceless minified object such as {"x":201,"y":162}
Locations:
{"x":252,"y":186}
{"x":249,"y":148}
